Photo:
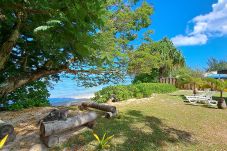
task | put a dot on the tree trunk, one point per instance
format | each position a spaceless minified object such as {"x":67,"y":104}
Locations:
{"x":221,"y":94}
{"x":5,"y":129}
{"x":107,"y":108}
{"x":55,"y":127}
{"x":16,"y":82}
{"x":10,"y":42}
{"x":194,"y":89}
{"x":161,"y":72}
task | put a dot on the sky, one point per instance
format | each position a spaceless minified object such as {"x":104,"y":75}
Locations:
{"x":197,"y":27}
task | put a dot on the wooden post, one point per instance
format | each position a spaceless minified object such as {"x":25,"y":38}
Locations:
{"x":170,"y":80}
{"x":174,"y":81}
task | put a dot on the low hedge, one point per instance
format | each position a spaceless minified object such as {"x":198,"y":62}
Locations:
{"x":124,"y":92}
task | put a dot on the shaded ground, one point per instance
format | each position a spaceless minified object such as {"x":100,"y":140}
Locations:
{"x":26,"y":127}
{"x":162,"y":122}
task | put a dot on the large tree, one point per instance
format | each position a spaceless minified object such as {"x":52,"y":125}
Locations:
{"x":86,"y":38}
{"x":161,"y":57}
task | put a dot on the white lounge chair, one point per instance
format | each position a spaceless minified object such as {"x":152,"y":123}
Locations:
{"x":196,"y":98}
{"x":212,"y":102}
{"x":209,"y":100}
{"x":205,"y":98}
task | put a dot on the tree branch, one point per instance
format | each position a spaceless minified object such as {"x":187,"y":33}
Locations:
{"x":7,"y":46}
{"x":20,"y":7}
{"x":15,"y":82}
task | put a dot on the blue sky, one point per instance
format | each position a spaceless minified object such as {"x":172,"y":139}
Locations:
{"x":182,"y":20}
{"x":197,"y":27}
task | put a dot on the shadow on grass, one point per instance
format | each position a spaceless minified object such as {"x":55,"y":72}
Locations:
{"x":202,"y":105}
{"x":134,"y":131}
{"x":181,"y":96}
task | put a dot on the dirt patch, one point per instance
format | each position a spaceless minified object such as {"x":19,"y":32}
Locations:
{"x":26,"y":127}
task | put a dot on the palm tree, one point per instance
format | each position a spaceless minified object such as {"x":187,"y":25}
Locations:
{"x":220,"y":85}
{"x":171,"y":57}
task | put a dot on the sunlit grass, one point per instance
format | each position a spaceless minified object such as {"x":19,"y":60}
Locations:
{"x":164,"y":122}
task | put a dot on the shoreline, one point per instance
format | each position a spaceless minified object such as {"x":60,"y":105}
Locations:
{"x":55,"y":102}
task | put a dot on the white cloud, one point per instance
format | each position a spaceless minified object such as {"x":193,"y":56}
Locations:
{"x":209,"y":25}
{"x":198,"y":39}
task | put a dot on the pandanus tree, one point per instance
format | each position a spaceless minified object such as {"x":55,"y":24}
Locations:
{"x":171,"y":57}
{"x":186,"y":75}
{"x":220,"y":85}
{"x":43,"y":39}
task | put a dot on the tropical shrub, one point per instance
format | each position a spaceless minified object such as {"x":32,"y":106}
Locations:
{"x":103,"y":143}
{"x":33,"y":95}
{"x":124,"y":92}
{"x":152,"y":77}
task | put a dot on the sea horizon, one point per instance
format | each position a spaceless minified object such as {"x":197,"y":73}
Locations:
{"x":67,"y":91}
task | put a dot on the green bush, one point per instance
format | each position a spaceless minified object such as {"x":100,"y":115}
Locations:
{"x":123,"y":92}
{"x":33,"y":95}
{"x":28,"y":103}
{"x":152,"y":77}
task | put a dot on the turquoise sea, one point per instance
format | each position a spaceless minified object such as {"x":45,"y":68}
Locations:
{"x":67,"y":91}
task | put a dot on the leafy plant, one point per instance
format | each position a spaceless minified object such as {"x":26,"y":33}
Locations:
{"x":221,"y":85}
{"x":214,"y":64}
{"x":186,"y":75}
{"x":3,"y":141}
{"x":34,"y":94}
{"x":155,"y":59}
{"x":103,"y":143}
{"x":152,"y":77}
{"x":140,"y":90}
{"x":90,"y":39}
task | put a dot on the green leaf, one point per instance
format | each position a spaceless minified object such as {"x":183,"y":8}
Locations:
{"x":96,"y":136}
{"x":107,"y":139}
{"x":51,"y":22}
{"x":2,"y":142}
{"x":42,"y":28}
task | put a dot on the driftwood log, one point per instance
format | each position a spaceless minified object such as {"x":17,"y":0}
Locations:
{"x":111,"y":111}
{"x":60,"y":138}
{"x":6,"y":128}
{"x":54,"y":115}
{"x":102,"y":107}
{"x":110,"y":114}
{"x":55,"y":127}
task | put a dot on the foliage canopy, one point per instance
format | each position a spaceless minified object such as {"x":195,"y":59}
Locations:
{"x":155,"y":59}
{"x":89,"y":39}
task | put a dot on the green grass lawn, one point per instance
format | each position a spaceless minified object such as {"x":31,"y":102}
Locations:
{"x":163,"y":122}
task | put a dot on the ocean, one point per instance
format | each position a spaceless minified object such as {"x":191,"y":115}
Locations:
{"x":67,"y":91}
